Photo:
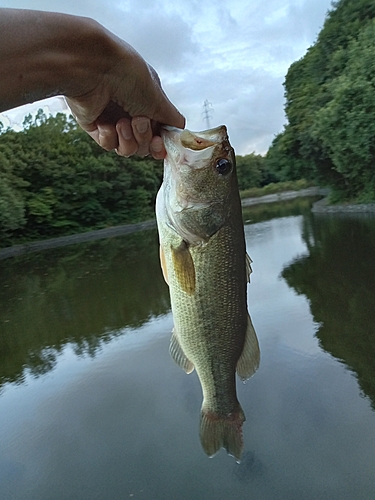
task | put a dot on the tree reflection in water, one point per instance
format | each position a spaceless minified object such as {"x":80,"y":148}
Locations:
{"x":84,"y":295}
{"x":338,"y":278}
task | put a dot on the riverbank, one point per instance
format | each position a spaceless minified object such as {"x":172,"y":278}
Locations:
{"x":36,"y":246}
{"x":63,"y":241}
{"x":322,"y":207}
{"x":286,"y":195}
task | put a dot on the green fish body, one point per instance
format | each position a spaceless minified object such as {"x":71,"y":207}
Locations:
{"x":204,"y":261}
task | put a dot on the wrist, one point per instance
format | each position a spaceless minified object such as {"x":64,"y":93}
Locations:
{"x":86,"y":55}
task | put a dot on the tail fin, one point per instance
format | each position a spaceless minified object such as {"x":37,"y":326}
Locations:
{"x":222,"y":432}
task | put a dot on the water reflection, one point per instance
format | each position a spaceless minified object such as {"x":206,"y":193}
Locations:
{"x":268,"y":211}
{"x":123,"y":423}
{"x":250,"y":468}
{"x":84,"y":295}
{"x":338,"y":278}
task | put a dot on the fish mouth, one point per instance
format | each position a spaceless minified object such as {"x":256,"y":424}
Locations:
{"x":187,"y":204}
{"x":196,"y":141}
{"x":184,"y":147}
{"x":193,"y":141}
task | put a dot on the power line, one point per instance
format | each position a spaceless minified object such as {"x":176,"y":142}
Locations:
{"x":207,"y":112}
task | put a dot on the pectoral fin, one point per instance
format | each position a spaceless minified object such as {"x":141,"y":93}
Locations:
{"x":178,"y":354}
{"x":248,"y":267}
{"x":184,"y":267}
{"x":248,"y":363}
{"x":163,"y":264}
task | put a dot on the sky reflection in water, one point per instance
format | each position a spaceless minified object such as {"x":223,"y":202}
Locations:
{"x":92,"y":406}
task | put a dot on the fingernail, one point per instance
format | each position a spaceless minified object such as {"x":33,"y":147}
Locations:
{"x":126,"y":132}
{"x":141,"y":126}
{"x":157,"y":145}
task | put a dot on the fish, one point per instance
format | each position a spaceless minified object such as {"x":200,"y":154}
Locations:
{"x":204,"y":262}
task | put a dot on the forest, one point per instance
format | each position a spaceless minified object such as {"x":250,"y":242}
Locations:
{"x":330,"y":106}
{"x":55,"y":180}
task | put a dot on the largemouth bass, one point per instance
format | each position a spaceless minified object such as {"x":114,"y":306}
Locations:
{"x":204,"y":262}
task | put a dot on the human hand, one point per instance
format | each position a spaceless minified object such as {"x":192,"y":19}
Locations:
{"x":126,"y":106}
{"x":115,"y":96}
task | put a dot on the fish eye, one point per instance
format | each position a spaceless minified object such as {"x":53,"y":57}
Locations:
{"x":223,"y":166}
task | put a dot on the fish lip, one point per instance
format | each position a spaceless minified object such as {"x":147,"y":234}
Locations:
{"x":214,"y":135}
{"x":169,"y":128}
{"x":184,"y":147}
{"x":168,"y":133}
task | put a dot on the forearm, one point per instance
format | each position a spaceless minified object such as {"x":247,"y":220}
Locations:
{"x":113,"y":93}
{"x":45,"y":54}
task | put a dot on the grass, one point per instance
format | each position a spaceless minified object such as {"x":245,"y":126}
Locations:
{"x":278,"y":187}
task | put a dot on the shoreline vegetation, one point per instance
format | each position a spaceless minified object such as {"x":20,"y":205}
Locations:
{"x":119,"y":230}
{"x":56,"y":183}
{"x":271,"y":193}
{"x":329,"y":136}
{"x":324,"y":207}
{"x":320,"y":206}
{"x":58,"y":186}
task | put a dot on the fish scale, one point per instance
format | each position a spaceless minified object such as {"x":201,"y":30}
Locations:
{"x":204,"y":262}
{"x":209,"y":321}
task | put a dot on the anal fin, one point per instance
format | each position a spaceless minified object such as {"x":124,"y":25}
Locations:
{"x":178,"y":354}
{"x":248,"y":362}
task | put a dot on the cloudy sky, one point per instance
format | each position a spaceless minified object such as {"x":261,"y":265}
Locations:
{"x":234,"y":54}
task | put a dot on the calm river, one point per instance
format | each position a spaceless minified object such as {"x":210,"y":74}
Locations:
{"x":93,"y":407}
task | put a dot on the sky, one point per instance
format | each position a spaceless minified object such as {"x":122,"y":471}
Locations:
{"x":231,"y":54}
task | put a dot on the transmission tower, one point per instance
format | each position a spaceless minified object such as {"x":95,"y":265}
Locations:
{"x":207,"y":112}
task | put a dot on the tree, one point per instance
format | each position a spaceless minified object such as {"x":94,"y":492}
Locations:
{"x":345,"y":126}
{"x":12,"y":203}
{"x":329,"y":105}
{"x":252,"y":171}
{"x":59,"y":181}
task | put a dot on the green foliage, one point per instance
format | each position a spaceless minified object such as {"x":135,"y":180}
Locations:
{"x":330,"y":106}
{"x":282,"y":166}
{"x":346,"y":125}
{"x":253,"y":171}
{"x":12,"y":203}
{"x":11,"y":206}
{"x":55,"y":180}
{"x":276,"y":187}
{"x":250,"y":170}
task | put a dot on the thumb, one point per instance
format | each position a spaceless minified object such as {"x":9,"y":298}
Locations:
{"x":165,"y":113}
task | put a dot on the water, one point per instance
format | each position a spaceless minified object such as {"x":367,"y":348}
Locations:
{"x":92,"y":406}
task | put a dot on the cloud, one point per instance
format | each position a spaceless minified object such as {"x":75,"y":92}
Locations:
{"x":235,"y":54}
{"x":164,"y":39}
